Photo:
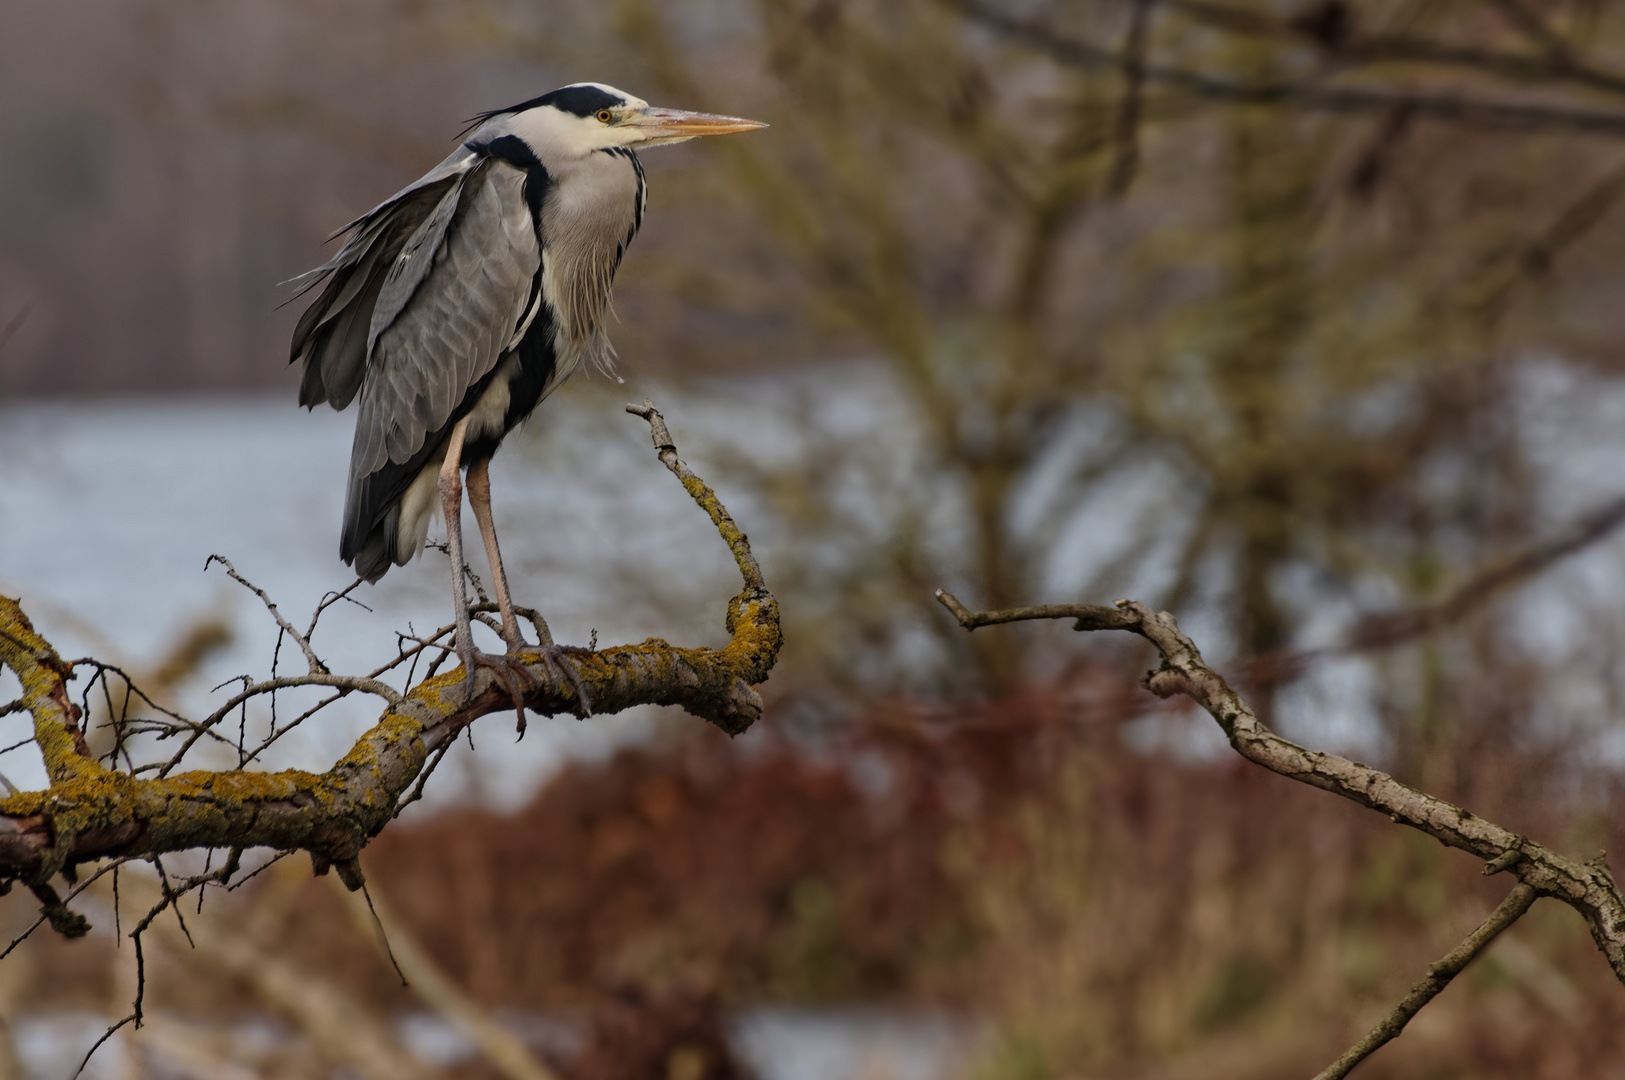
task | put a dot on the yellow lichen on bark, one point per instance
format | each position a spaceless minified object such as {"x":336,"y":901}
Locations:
{"x":41,"y":672}
{"x":91,"y":812}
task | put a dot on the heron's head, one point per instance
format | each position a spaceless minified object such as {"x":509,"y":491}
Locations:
{"x":581,"y":118}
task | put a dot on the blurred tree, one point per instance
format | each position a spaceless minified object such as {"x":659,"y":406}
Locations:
{"x":1253,"y":293}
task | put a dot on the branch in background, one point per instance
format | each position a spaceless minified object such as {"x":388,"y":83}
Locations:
{"x":505,"y":1052}
{"x":15,"y":324}
{"x":94,"y":812}
{"x":1392,"y":629}
{"x":1530,"y":25}
{"x":1330,"y":27}
{"x":1438,"y":977}
{"x":1126,"y":160}
{"x":1587,"y":887}
{"x":1534,"y":259}
{"x":1306,"y":96}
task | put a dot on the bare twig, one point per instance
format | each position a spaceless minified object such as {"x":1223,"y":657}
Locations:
{"x":316,"y":665}
{"x":383,"y":937}
{"x":1438,"y":977}
{"x":1588,"y":887}
{"x":97,"y":1045}
{"x":332,"y":598}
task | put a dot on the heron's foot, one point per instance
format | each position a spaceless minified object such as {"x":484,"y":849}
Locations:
{"x":509,"y":667}
{"x":512,"y":668}
{"x":556,"y":657}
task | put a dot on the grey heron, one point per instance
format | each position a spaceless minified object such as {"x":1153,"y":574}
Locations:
{"x":462,"y":301}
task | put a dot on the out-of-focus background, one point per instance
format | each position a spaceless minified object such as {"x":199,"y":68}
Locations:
{"x":1282,"y":316}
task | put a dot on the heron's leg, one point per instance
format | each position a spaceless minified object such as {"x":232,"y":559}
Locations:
{"x":451,"y":506}
{"x":451,"y":503}
{"x":479,"y":498}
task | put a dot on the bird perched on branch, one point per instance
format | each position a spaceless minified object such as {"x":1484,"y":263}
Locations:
{"x":456,"y":306}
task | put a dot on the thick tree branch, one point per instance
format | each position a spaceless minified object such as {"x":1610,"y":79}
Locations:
{"x":93,"y":812}
{"x":1587,"y":887}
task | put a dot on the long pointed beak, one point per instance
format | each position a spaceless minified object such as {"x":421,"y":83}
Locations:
{"x":675,"y":125}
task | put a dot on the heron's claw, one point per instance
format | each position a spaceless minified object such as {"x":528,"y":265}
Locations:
{"x":511,"y":668}
{"x":555,"y":656}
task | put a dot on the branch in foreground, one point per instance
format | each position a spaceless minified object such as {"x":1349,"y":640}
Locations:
{"x":1438,"y":977}
{"x":1587,"y":887}
{"x":93,"y":812}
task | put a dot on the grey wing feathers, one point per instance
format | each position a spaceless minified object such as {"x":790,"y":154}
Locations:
{"x":452,"y":324}
{"x":334,"y":335}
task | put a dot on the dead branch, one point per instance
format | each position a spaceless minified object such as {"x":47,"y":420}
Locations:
{"x":1587,"y":887}
{"x":1438,"y":977}
{"x":91,"y":811}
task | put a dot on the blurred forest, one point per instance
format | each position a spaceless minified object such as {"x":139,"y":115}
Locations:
{"x":1280,"y":316}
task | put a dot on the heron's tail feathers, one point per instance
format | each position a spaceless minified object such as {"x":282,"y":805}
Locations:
{"x":373,"y":560}
{"x":398,"y":536}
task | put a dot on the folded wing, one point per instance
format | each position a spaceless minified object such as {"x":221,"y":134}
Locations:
{"x":442,"y":318}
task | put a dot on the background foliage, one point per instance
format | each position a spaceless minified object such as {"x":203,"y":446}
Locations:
{"x":1272,"y":315}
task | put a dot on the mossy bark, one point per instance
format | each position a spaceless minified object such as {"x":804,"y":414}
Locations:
{"x":92,"y":812}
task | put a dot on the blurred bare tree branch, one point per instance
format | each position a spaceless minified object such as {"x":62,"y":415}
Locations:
{"x":1588,"y":887}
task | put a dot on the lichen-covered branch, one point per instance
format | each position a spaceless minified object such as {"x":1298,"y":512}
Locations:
{"x":91,"y":811}
{"x":1588,"y":887}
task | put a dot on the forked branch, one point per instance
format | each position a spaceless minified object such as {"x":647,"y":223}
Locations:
{"x":1587,"y":887}
{"x":91,"y":811}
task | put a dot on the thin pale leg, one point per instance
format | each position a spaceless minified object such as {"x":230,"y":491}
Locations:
{"x":451,"y":506}
{"x":451,"y":501}
{"x":479,"y":498}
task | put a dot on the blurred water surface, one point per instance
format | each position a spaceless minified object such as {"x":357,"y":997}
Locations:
{"x":777,"y":1043}
{"x":109,"y":511}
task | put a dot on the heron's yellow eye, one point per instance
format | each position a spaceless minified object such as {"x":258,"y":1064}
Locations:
{"x":605,"y":115}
